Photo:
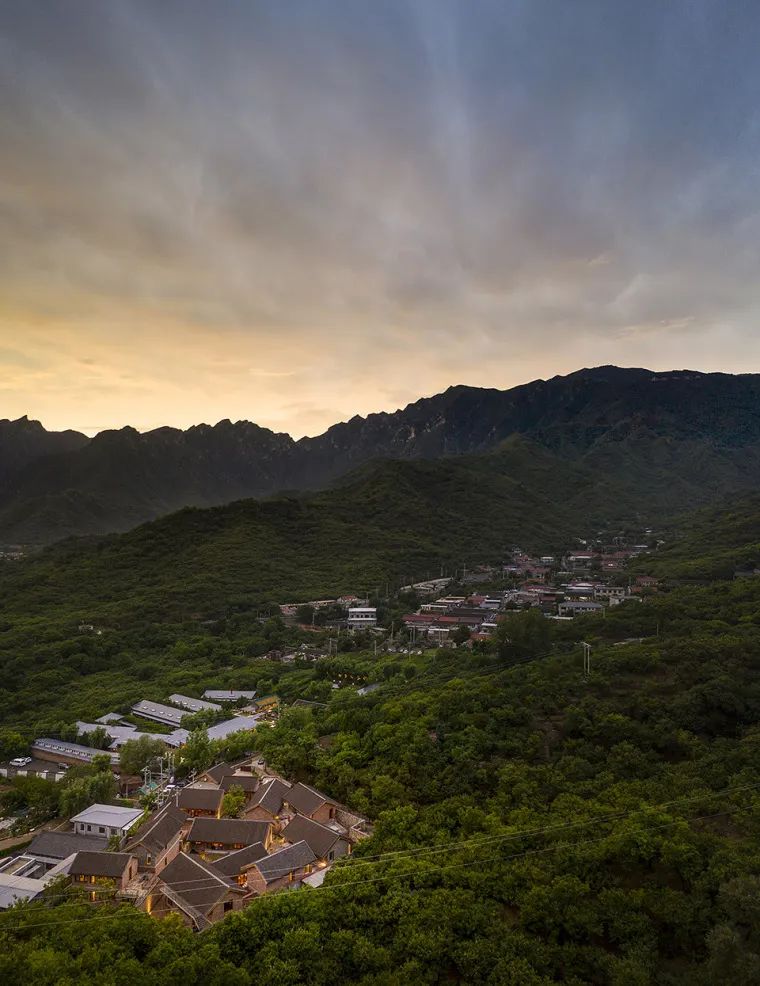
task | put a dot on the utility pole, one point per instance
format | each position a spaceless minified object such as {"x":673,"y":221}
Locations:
{"x":586,"y":658}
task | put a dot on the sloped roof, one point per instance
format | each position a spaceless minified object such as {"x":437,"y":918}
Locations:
{"x":194,"y":704}
{"x":60,"y":845}
{"x":228,"y":695}
{"x":320,"y":838}
{"x":280,"y":863}
{"x":116,"y":816}
{"x":217,"y":772}
{"x":200,"y":798}
{"x":248,"y":782}
{"x":271,"y":795}
{"x":105,"y":864}
{"x":159,"y":829}
{"x":235,"y":725}
{"x":233,"y":863}
{"x":306,"y":799}
{"x":228,"y":831}
{"x":195,"y":886}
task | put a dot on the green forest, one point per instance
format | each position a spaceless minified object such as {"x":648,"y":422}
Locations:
{"x":532,"y":825}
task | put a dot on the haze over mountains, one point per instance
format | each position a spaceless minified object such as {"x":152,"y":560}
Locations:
{"x":671,"y":440}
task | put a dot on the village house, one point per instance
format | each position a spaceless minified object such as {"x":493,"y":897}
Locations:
{"x":578,"y":607}
{"x":266,"y":804}
{"x":92,"y":867}
{"x":234,"y":864}
{"x":281,"y":870}
{"x":159,"y":839}
{"x":614,"y":594}
{"x":227,"y":834}
{"x":109,"y":821}
{"x":51,"y":848}
{"x":361,"y":617}
{"x":246,"y":782}
{"x":214,"y":775}
{"x":308,"y":801}
{"x":196,"y":891}
{"x":325,"y":842}
{"x":201,"y":802}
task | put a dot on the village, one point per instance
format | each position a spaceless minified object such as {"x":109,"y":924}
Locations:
{"x":185,"y":857}
{"x":587,"y":580}
{"x":203,"y":843}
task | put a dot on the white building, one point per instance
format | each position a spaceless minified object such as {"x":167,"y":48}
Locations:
{"x":106,"y":820}
{"x":578,"y":607}
{"x":613,"y":593}
{"x":362,"y":617}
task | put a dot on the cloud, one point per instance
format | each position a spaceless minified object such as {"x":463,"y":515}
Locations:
{"x":286,"y":211}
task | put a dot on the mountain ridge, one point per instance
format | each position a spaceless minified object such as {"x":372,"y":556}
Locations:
{"x":69,"y":484}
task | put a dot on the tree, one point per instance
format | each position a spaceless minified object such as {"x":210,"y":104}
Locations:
{"x":233,"y":802}
{"x":11,"y":744}
{"x":524,"y":636}
{"x":101,"y":763}
{"x":202,"y":719}
{"x":198,"y":753}
{"x":136,"y":754}
{"x":77,"y":793}
{"x":98,"y":739}
{"x":305,"y":614}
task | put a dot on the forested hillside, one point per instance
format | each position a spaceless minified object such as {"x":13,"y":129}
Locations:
{"x":532,"y":825}
{"x":676,"y":439}
{"x":391,"y":521}
{"x":151,"y":591}
{"x":716,"y":543}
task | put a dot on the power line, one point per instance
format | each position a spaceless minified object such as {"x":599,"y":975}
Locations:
{"x":448,"y":847}
{"x":392,"y":876}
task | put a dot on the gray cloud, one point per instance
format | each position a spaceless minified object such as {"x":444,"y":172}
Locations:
{"x":288,"y":210}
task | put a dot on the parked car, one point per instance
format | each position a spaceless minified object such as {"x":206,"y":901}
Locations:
{"x":20,"y":761}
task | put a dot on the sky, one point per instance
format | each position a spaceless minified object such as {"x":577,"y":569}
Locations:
{"x":294,"y":211}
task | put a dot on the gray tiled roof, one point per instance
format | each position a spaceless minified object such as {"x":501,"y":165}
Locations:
{"x":228,"y":831}
{"x":195,"y":884}
{"x":232,"y":864}
{"x":280,"y":863}
{"x":271,"y":795}
{"x":60,"y":845}
{"x":248,"y":782}
{"x":306,"y":799}
{"x":158,"y":831}
{"x":200,"y":798}
{"x":320,"y":838}
{"x":105,"y":864}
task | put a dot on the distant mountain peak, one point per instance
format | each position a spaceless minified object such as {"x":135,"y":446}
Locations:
{"x":53,"y":483}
